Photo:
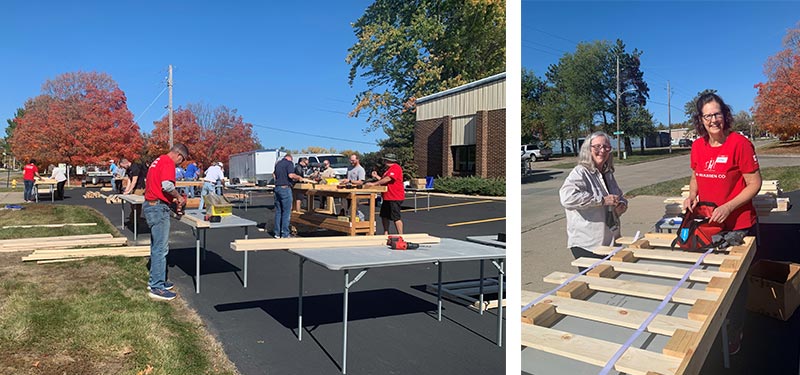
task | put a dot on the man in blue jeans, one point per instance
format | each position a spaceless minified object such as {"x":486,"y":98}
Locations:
{"x":284,"y":179}
{"x":159,"y":192}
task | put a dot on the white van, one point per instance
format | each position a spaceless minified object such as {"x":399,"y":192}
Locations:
{"x":339,"y":162}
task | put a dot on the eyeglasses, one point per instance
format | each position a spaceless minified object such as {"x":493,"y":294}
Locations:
{"x":712,"y":116}
{"x":601,"y":147}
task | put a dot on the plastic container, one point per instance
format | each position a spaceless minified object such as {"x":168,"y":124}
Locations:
{"x":429,"y":182}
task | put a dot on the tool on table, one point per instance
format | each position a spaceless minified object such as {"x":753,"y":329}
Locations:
{"x":397,"y":243}
{"x":212,"y":218}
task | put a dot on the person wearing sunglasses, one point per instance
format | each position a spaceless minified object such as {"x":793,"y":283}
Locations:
{"x":592,"y":199}
{"x":726,"y":173}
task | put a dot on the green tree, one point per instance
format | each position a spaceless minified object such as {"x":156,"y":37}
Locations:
{"x":407,"y":49}
{"x":533,"y":125}
{"x":12,"y":125}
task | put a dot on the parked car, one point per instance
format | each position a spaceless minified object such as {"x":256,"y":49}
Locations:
{"x":536,"y":151}
{"x":685,"y":142}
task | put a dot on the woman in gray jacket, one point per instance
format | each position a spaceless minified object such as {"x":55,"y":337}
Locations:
{"x":592,"y":199}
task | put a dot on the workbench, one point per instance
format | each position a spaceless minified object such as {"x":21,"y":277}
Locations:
{"x":327,"y":218}
{"x":133,"y":199}
{"x":366,"y":257}
{"x":588,"y":325}
{"x":194,"y":218}
{"x":45,"y":181}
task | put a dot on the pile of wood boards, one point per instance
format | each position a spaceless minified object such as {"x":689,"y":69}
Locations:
{"x":64,"y":248}
{"x":417,"y":183}
{"x":113,"y":199}
{"x":769,"y":198}
{"x":93,"y":194}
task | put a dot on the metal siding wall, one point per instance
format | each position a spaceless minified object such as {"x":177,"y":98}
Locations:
{"x":489,"y":97}
{"x":463,"y":131}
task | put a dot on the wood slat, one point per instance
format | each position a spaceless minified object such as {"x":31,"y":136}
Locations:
{"x":118,"y":241}
{"x":655,"y":239}
{"x":675,"y":256}
{"x":670,"y":272}
{"x":635,"y":288}
{"x":79,"y":253}
{"x":56,"y":238}
{"x":597,"y":352}
{"x":661,"y":324}
{"x":323,"y":242}
{"x":50,"y":225}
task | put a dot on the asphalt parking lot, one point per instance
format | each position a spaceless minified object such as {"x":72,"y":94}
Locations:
{"x":393,"y":327}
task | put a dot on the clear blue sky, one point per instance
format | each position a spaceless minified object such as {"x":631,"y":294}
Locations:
{"x":695,"y":45}
{"x":280,"y":64}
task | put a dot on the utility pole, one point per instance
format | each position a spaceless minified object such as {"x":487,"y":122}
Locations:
{"x":619,"y":135}
{"x":669,"y":117}
{"x":169,"y":85}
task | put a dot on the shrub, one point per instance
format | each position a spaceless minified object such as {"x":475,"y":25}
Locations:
{"x":471,"y":185}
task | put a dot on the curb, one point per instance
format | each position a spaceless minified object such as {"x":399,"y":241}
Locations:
{"x":466,"y":196}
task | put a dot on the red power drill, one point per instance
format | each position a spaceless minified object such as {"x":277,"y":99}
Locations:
{"x":397,"y":243}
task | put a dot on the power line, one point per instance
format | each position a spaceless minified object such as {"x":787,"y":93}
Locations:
{"x":553,"y":35}
{"x":313,"y":135}
{"x":148,"y":106}
{"x":542,"y":45}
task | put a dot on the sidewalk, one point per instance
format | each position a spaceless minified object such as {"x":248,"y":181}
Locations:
{"x":13,"y":197}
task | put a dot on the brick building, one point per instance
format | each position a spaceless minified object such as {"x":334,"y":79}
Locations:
{"x":462,"y":131}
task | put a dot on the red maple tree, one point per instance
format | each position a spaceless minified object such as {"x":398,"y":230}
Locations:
{"x":79,"y":118}
{"x":777,"y":105}
{"x":210,"y":134}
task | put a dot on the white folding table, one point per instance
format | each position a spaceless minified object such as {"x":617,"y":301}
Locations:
{"x":194,"y":218}
{"x":427,"y":192}
{"x":366,"y":257}
{"x":133,"y":199}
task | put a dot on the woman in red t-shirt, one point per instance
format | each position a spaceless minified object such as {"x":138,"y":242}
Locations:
{"x":725,"y":167}
{"x":726,"y":173}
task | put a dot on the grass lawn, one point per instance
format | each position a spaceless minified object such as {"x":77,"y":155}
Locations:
{"x":788,"y":177}
{"x":92,"y":316}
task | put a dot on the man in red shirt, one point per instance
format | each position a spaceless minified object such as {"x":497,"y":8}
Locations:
{"x":394,"y":195}
{"x":28,"y":178}
{"x":159,"y":192}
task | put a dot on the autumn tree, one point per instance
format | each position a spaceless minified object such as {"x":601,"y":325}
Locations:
{"x":407,"y":49}
{"x":777,"y":105}
{"x":211,"y":134}
{"x":79,"y":118}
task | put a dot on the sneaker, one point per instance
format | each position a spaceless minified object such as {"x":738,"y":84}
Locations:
{"x":277,"y":236}
{"x":162,"y":294}
{"x":735,"y":343}
{"x":168,"y":285}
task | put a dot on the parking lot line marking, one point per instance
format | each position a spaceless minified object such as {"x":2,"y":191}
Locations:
{"x":476,"y":221}
{"x":446,"y":205}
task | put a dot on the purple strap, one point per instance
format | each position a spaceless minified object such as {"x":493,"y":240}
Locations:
{"x":611,"y":362}
{"x":575,"y":276}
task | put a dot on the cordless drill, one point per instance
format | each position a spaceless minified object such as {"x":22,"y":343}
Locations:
{"x":397,"y":243}
{"x":178,"y":209}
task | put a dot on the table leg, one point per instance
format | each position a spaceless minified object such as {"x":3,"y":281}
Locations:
{"x":245,"y":260}
{"x":300,"y":303}
{"x":203,"y":248}
{"x":197,"y":261}
{"x":415,"y":201}
{"x":480,"y":290}
{"x":52,"y":193}
{"x":439,"y":293}
{"x":344,"y":336}
{"x":726,"y":356}
{"x":429,"y":201}
{"x":501,"y":274}
{"x":135,"y":220}
{"x":122,"y":217}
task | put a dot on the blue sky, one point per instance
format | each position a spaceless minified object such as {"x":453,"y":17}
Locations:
{"x":695,"y":45}
{"x":280,"y":64}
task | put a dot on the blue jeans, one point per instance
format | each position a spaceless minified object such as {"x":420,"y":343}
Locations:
{"x":28,"y":195}
{"x":208,"y":188}
{"x":158,"y":220}
{"x":283,"y":210}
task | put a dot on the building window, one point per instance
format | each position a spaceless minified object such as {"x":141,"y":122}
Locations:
{"x":464,"y":160}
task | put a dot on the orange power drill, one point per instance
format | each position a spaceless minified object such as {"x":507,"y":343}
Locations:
{"x":397,"y":243}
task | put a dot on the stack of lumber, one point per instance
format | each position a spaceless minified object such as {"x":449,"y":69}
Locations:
{"x":769,"y":198}
{"x":47,"y":249}
{"x":324,"y":242}
{"x":576,"y":323}
{"x":93,"y":194}
{"x":113,"y":199}
{"x":417,"y":183}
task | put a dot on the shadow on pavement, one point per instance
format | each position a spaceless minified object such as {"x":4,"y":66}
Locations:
{"x":327,"y":308}
{"x":538,"y":176}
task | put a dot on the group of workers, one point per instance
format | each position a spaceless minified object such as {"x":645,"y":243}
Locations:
{"x":30,"y":173}
{"x":287,"y":174}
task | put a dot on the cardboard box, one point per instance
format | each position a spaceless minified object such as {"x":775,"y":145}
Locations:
{"x":774,"y":288}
